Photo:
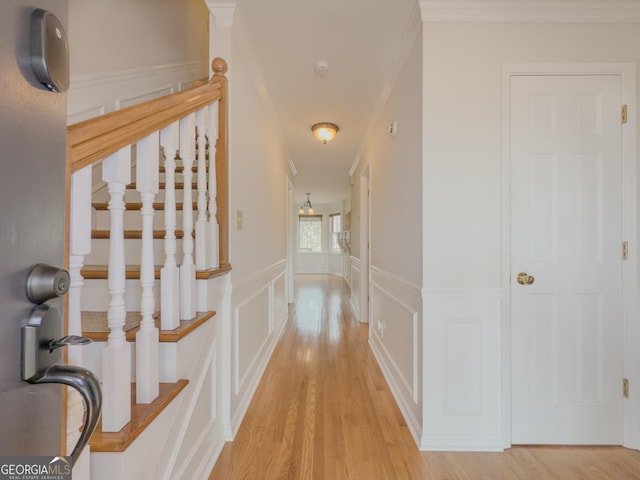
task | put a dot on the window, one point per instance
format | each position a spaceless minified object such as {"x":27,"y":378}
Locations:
{"x":335,"y":227}
{"x":310,"y":233}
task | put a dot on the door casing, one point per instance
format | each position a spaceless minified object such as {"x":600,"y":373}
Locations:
{"x":626,"y":72}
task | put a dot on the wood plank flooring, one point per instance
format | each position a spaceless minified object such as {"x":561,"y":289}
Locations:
{"x":323,"y":411}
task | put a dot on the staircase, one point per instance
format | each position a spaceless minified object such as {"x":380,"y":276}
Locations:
{"x":148,"y":244}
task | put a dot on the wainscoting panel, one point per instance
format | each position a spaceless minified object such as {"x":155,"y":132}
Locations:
{"x":395,"y":334}
{"x":354,"y":281}
{"x":280,"y":306}
{"x":158,"y":92}
{"x":311,"y":263}
{"x":462,"y":370}
{"x":251,"y":329}
{"x":259,"y":313}
{"x":93,"y":95}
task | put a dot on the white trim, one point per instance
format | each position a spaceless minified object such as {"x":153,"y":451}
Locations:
{"x":160,"y":91}
{"x":354,"y":267}
{"x":458,"y":292}
{"x":255,"y":276}
{"x":222,"y":13}
{"x":627,"y":74}
{"x":108,"y":78}
{"x":530,"y":11}
{"x":399,"y":281}
{"x":414,"y":386}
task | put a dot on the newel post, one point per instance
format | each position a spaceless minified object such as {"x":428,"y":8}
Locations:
{"x":219,"y":67}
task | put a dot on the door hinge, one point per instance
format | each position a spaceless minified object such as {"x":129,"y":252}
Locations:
{"x":623,"y":115}
{"x":625,"y":250}
{"x":625,"y":388}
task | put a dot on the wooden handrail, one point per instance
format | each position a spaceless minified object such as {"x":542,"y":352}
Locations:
{"x":96,"y":138}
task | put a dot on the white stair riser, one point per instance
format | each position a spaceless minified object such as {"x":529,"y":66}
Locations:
{"x":132,"y":247}
{"x":177,"y":359}
{"x":132,"y":195}
{"x":95,"y":295}
{"x":132,"y":219}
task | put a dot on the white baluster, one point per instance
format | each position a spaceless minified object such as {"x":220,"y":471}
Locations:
{"x":169,"y":275}
{"x":188,"y":268}
{"x":116,"y":356}
{"x":213,"y":236}
{"x":201,"y":222}
{"x":147,"y":360}
{"x":79,"y":247}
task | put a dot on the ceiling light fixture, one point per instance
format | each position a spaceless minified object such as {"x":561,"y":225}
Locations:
{"x":325,"y":131}
{"x":306,"y":208}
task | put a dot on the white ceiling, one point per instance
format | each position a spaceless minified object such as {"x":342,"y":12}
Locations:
{"x":363,"y":42}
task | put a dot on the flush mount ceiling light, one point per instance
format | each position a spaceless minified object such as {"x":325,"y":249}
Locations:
{"x":306,"y":208}
{"x":325,"y":131}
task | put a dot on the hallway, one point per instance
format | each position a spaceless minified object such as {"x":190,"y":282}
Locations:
{"x":324,"y":411}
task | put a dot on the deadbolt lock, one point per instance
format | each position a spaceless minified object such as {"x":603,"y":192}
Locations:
{"x":525,"y":279}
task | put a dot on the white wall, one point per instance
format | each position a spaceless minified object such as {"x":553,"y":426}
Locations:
{"x":124,"y":52}
{"x":258,"y":171}
{"x":395,"y":166}
{"x":465,"y":385}
{"x":130,"y":34}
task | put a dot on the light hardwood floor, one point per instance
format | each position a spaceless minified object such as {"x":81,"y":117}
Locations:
{"x":323,"y":411}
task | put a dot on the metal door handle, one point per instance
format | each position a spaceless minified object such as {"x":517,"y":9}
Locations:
{"x":88,"y":385}
{"x":525,"y":278}
{"x":38,"y":367}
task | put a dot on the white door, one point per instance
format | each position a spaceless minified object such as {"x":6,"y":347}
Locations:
{"x":566,"y":233}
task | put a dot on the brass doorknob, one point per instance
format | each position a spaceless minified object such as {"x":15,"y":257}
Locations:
{"x":525,"y":279}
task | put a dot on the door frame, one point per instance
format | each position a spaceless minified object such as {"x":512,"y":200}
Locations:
{"x":290,"y":234}
{"x":365,"y":243}
{"x":631,"y":334}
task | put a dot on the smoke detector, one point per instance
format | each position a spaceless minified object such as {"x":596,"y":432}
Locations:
{"x":322,"y":68}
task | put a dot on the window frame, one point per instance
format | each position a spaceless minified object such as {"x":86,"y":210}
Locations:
{"x":319,"y":220}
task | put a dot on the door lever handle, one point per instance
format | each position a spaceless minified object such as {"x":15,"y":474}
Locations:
{"x":38,"y":366}
{"x":88,"y":385}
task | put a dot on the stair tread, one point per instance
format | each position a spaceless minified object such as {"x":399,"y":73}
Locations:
{"x":133,"y":234}
{"x":138,"y":206}
{"x":132,"y":272}
{"x":141,"y":417}
{"x":162,"y":185}
{"x":95,"y":326}
{"x":180,"y":169}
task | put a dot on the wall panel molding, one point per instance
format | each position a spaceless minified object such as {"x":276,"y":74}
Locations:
{"x":462,"y":342}
{"x":395,"y":337}
{"x":354,"y":274}
{"x":260,"y":310}
{"x":96,"y":94}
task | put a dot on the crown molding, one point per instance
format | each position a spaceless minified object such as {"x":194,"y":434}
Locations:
{"x":531,"y":11}
{"x":222,"y":12}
